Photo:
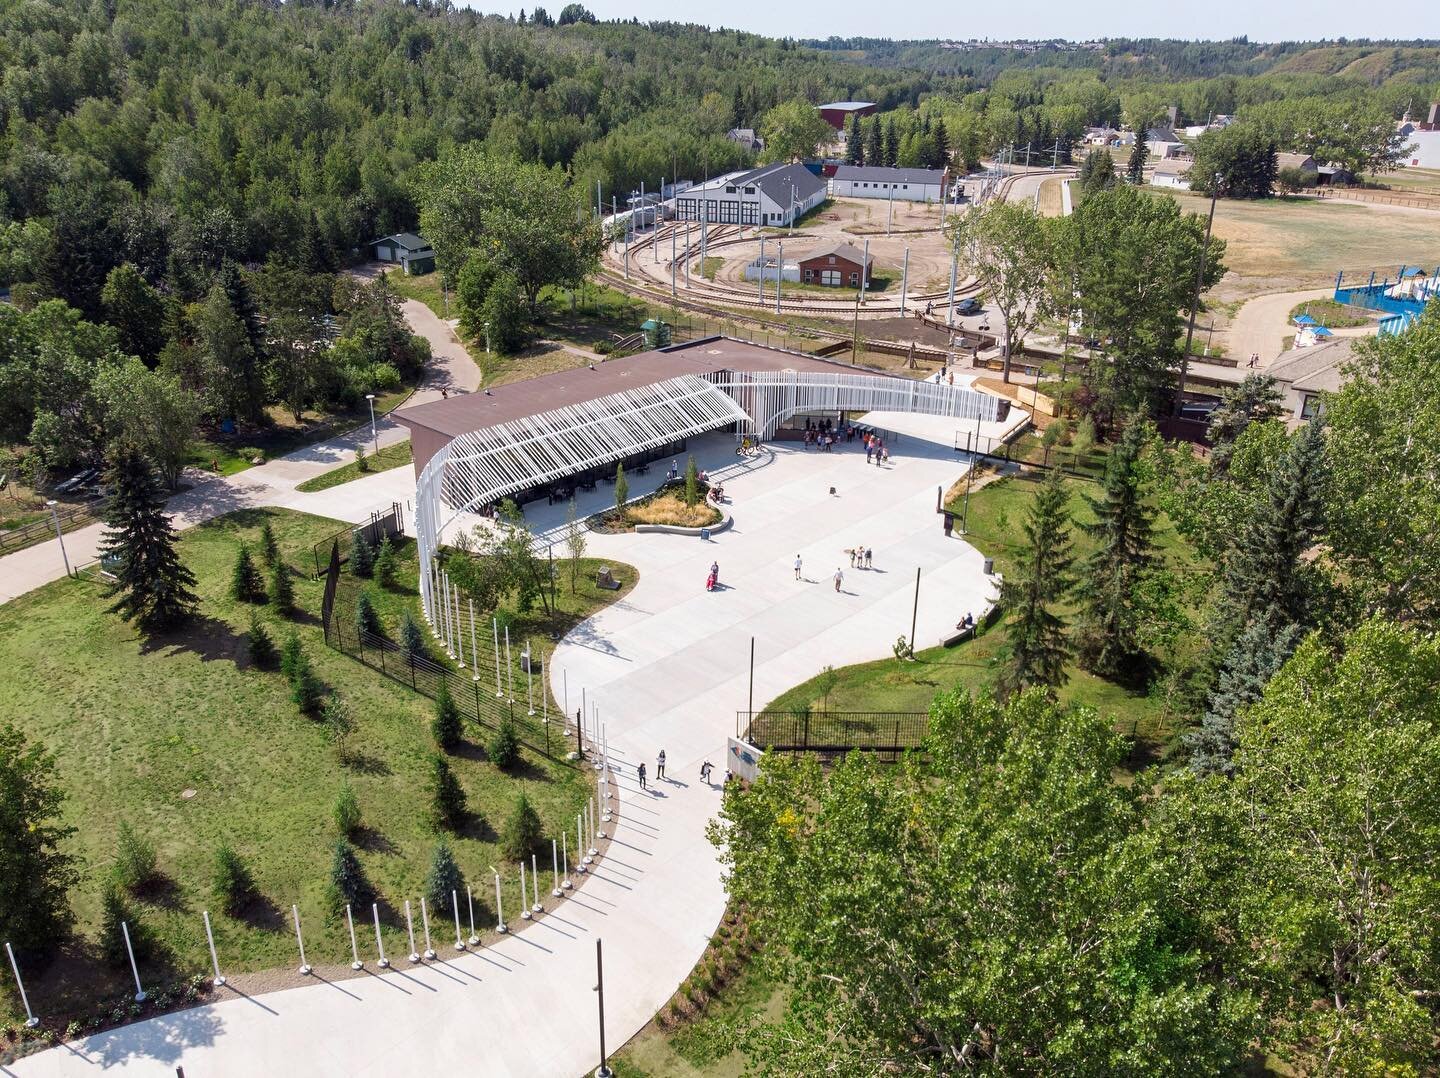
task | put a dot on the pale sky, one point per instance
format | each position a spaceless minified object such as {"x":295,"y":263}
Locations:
{"x":1076,"y":21}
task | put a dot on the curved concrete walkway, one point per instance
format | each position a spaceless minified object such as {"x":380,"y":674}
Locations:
{"x":1262,"y":324}
{"x":667,"y":667}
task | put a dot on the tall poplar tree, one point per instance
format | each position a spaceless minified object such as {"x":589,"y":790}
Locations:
{"x":154,"y":589}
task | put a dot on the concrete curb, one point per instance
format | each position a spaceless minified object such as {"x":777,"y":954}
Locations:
{"x":727,"y":518}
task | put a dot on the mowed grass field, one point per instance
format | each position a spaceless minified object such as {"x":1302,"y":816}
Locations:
{"x":193,"y":747}
{"x":1308,"y":241}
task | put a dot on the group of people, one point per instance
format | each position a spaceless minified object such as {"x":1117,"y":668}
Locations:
{"x":824,"y":433}
{"x":860,"y":557}
{"x":706,"y":767}
{"x":875,"y":447}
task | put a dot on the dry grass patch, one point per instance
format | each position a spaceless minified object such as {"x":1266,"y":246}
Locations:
{"x":668,"y":507}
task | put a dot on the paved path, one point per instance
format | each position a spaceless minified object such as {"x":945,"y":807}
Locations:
{"x":273,"y":483}
{"x":1263,"y":323}
{"x":667,"y":667}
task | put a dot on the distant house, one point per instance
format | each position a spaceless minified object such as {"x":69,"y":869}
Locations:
{"x":1163,"y":142}
{"x":1303,"y":161}
{"x":837,"y":264}
{"x":1102,"y":136}
{"x":909,"y":184}
{"x":837,"y":113}
{"x":746,"y":137}
{"x":411,"y":252}
{"x":1304,"y":375}
{"x":1337,"y":175}
{"x":1172,"y":172}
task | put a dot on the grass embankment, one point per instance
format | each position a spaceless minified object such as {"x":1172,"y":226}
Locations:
{"x":1329,"y":313}
{"x":193,"y":747}
{"x":390,"y":456}
{"x":995,"y":515}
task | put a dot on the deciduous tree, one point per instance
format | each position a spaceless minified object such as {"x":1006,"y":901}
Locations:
{"x":34,"y":847}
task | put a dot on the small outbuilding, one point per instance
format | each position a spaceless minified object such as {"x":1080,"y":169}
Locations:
{"x":1172,"y":172}
{"x":835,"y":265}
{"x":908,"y":184}
{"x":411,"y":252}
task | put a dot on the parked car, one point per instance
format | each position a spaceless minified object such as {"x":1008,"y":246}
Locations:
{"x":969,"y":305}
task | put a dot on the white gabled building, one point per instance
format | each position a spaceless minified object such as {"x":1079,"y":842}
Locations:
{"x":908,"y":184}
{"x":772,"y":195}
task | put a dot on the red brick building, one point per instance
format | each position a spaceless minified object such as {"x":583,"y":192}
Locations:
{"x":835,"y":265}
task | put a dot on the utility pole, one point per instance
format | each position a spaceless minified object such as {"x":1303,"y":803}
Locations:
{"x":779,"y":269}
{"x":760,"y":277}
{"x":1195,"y":298}
{"x":687,"y":253}
{"x":792,"y":208}
{"x":954,"y":269}
{"x":904,"y":281}
{"x":855,"y":331}
{"x":889,"y":209}
{"x":659,"y":205}
{"x":915,"y":612}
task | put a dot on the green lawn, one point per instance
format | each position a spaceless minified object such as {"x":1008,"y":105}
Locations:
{"x":390,"y":456}
{"x":995,"y":515}
{"x":1329,"y":313}
{"x":191,"y":746}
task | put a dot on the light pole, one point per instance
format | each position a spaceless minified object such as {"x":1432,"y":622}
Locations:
{"x":374,"y":434}
{"x":487,"y":327}
{"x":1195,"y":298}
{"x":51,"y":504}
{"x":604,"y":1070}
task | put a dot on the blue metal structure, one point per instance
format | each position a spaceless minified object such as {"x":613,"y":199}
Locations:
{"x":1398,"y":305}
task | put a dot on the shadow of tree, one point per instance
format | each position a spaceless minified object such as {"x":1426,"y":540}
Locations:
{"x":262,"y":914}
{"x":209,"y":638}
{"x":162,"y":890}
{"x":372,"y":841}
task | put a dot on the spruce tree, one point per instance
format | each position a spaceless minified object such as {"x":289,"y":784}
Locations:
{"x":524,"y":834}
{"x":306,"y":692}
{"x":504,"y":746}
{"x":153,"y":588}
{"x":231,"y":885}
{"x":412,"y":637}
{"x":259,"y":645}
{"x":1253,"y":400}
{"x":366,"y":620}
{"x":445,"y":879}
{"x":346,"y":812}
{"x":874,"y":149}
{"x":114,"y":911}
{"x":1258,"y":653}
{"x":386,"y":563}
{"x":940,"y":145}
{"x":348,"y":882}
{"x":445,"y":727}
{"x":246,"y":584}
{"x":291,"y":654}
{"x":1109,"y":586}
{"x":447,"y":798}
{"x":362,"y":554}
{"x":1135,"y":167}
{"x":269,"y":548}
{"x":1035,"y":645}
{"x":891,"y":148}
{"x":854,"y":148}
{"x":282,"y":590}
{"x":692,"y":483}
{"x":622,"y":491}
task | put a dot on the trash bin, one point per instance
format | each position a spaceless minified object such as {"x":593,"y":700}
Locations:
{"x":705,"y":534}
{"x":989,"y":567}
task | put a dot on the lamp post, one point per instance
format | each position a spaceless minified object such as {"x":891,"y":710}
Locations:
{"x":487,"y":336}
{"x":374,"y":434}
{"x":54,"y":516}
{"x":1195,"y":297}
{"x":604,"y":1070}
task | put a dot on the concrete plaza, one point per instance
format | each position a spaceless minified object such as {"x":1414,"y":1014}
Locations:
{"x":668,"y":668}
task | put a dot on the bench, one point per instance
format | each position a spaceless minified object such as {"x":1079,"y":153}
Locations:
{"x":959,"y":636}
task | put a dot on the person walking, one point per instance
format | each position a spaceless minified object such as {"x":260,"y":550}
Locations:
{"x":839,"y":579}
{"x":797,"y":566}
{"x":660,"y":765}
{"x":867,"y":451}
{"x":868,"y":555}
{"x":640,"y":770}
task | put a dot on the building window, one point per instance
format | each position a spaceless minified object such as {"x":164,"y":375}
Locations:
{"x":1309,"y":406}
{"x":830,"y":278}
{"x":809,"y":275}
{"x":730,"y":190}
{"x":832,"y":260}
{"x":904,"y":187}
{"x":749,"y":190}
{"x":855,"y":279}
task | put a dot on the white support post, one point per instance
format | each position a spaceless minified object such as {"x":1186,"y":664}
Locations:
{"x":592,"y":821}
{"x":455,"y":905}
{"x":300,"y":940}
{"x":780,"y":272}
{"x":410,"y":930}
{"x":580,"y":855}
{"x":214,"y":960}
{"x":130,"y":950}
{"x":555,"y":868}
{"x":495,"y":635}
{"x":524,"y":906}
{"x":904,"y":282}
{"x":355,"y":962}
{"x":761,"y":275}
{"x":30,"y":1020}
{"x":383,"y":963}
{"x":565,"y":883}
{"x":500,"y":925}
{"x":509,"y":668}
{"x":954,"y":269}
{"x":474,"y":658}
{"x":530,"y":676}
{"x":535,"y":906}
{"x":470,"y":903}
{"x":425,"y":920}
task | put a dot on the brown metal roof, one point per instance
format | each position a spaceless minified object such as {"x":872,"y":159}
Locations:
{"x":474,"y":411}
{"x":838,"y":248}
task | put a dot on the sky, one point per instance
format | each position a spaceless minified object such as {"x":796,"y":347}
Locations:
{"x":953,"y":19}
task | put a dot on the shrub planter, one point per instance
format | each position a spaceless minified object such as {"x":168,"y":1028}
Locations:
{"x":605,"y":523}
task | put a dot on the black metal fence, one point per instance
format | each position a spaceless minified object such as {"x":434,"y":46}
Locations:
{"x":834,"y":731}
{"x":475,"y":699}
{"x":391,"y":522}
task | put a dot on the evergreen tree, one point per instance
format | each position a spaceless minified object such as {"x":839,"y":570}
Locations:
{"x":1259,"y":651}
{"x":874,"y":144}
{"x":939,"y":145}
{"x":282,"y":589}
{"x":38,"y":874}
{"x":504,"y":746}
{"x":1135,"y":167}
{"x":524,"y":834}
{"x":1254,"y":399}
{"x":447,"y":797}
{"x":246,"y":585}
{"x":134,"y":866}
{"x":153,"y":587}
{"x":444,"y":880}
{"x":231,"y":885}
{"x":1035,"y":645}
{"x":386,"y":563}
{"x":891,"y":147}
{"x":306,"y":692}
{"x":348,"y":882}
{"x":445,"y":727}
{"x":412,"y":637}
{"x":346,"y":812}
{"x":269,"y":548}
{"x":622,"y":490}
{"x":1266,"y":576}
{"x":692,"y":483}
{"x":114,"y":911}
{"x":366,"y":620}
{"x":1097,"y":173}
{"x":1109,"y":588}
{"x":291,"y":654}
{"x":854,"y":143}
{"x":362,"y":554}
{"x":259,"y":645}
